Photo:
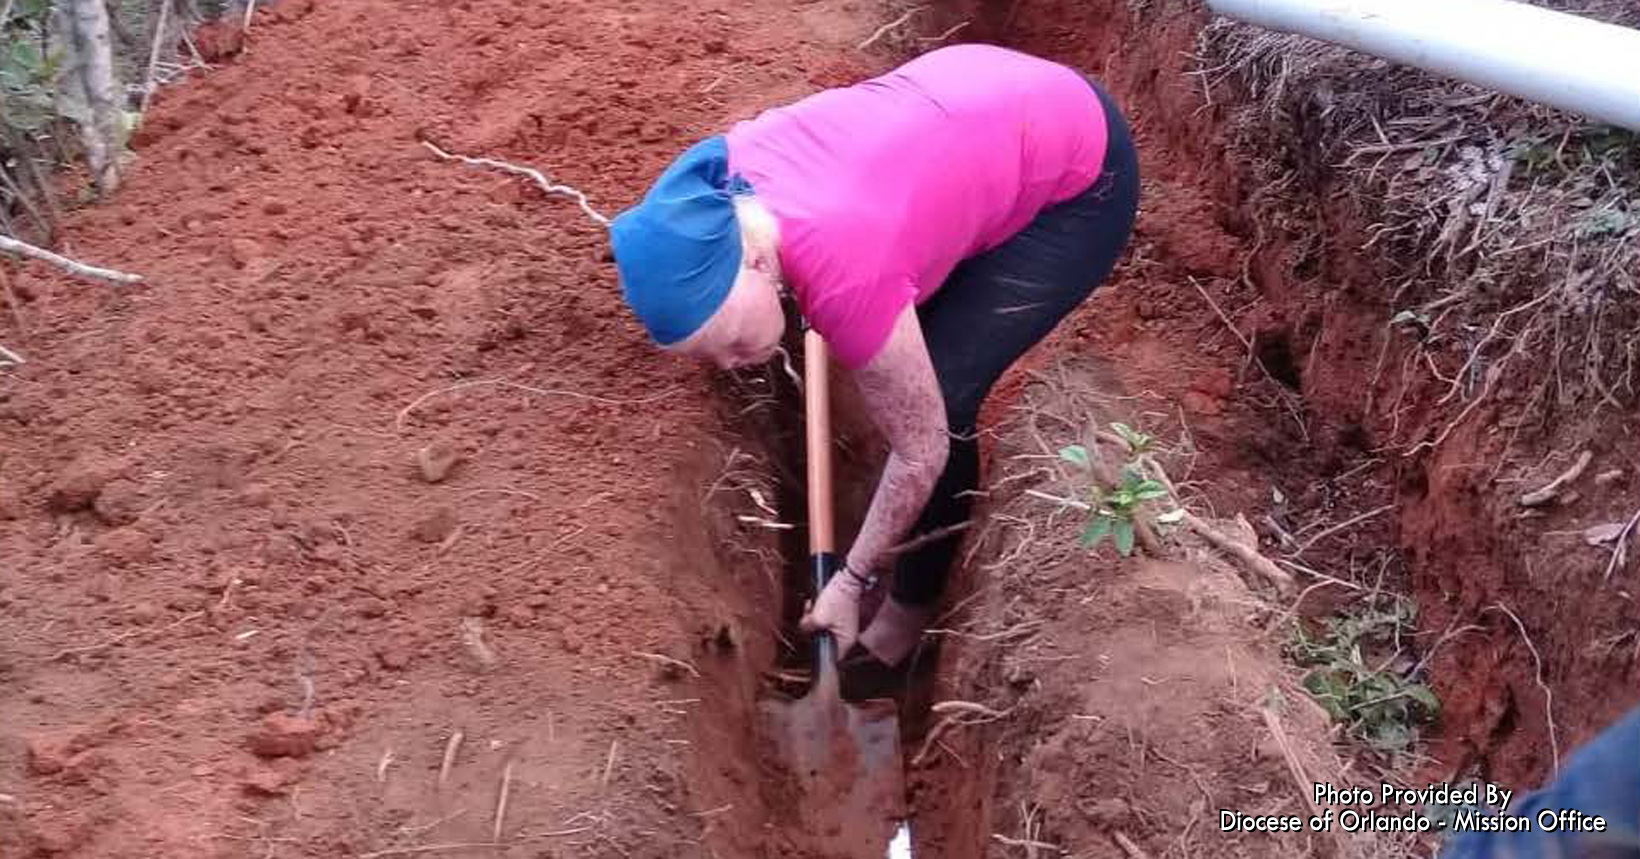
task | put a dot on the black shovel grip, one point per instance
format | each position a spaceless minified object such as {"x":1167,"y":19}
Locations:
{"x":822,"y":567}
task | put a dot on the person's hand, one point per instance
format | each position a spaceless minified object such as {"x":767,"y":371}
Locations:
{"x":837,"y":611}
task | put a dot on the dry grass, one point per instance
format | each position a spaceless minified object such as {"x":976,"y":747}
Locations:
{"x":1511,"y":228}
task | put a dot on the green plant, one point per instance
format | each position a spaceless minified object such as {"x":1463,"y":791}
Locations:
{"x":1113,"y":513}
{"x":27,"y":69}
{"x":1381,"y":707}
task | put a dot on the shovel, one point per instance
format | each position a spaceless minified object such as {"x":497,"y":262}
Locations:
{"x":843,"y":757}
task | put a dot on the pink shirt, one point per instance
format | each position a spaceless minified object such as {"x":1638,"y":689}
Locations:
{"x":881,"y":188}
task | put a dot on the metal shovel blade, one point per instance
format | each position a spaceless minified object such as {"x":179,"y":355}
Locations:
{"x":843,"y":762}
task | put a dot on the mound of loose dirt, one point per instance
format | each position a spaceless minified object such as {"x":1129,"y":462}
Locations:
{"x":1125,"y":703}
{"x":249,"y":598}
{"x":1266,"y":211}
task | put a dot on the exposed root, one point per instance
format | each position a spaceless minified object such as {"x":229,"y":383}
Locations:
{"x":1346,"y":524}
{"x":530,"y":173}
{"x":1248,"y":557}
{"x":1548,"y":696}
{"x":889,"y":27}
{"x":1549,"y":491}
{"x":957,"y":714}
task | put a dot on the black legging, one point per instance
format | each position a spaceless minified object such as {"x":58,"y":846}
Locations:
{"x":999,"y":304}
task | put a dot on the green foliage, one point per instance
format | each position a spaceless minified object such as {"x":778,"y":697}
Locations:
{"x":1381,"y":707}
{"x":26,"y":69}
{"x":1112,"y":514}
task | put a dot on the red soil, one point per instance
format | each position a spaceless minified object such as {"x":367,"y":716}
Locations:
{"x":242,"y":621}
{"x":238,"y":615}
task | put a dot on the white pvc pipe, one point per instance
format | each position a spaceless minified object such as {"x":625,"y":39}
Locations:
{"x":1574,"y":63}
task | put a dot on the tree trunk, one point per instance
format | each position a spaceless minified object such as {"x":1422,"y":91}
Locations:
{"x":86,"y":89}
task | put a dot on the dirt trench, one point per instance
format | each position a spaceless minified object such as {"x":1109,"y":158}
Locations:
{"x":373,"y":507}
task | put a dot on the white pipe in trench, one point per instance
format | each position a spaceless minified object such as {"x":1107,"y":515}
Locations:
{"x":1570,"y":62}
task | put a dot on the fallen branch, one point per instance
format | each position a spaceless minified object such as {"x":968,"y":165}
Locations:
{"x":11,"y":357}
{"x":1549,"y":491}
{"x":11,"y":245}
{"x":528,"y":172}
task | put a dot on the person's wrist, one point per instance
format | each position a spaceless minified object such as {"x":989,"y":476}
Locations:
{"x":859,"y":579}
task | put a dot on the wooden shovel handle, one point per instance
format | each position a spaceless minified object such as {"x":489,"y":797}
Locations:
{"x":817,"y":443}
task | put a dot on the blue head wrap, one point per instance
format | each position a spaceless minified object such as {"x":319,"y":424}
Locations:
{"x":678,"y":250}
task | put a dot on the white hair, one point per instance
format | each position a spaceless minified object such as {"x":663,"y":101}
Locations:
{"x":758,"y":227}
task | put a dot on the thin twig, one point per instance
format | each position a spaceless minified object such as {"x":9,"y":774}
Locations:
{"x":501,"y":801}
{"x":1027,"y":843}
{"x":945,"y":35}
{"x":11,"y":245}
{"x":668,"y":660}
{"x":429,"y":848}
{"x":11,"y":357}
{"x":153,"y":55}
{"x":1620,"y":548}
{"x":250,"y":9}
{"x":884,"y":29}
{"x":923,"y":540}
{"x":451,"y":747}
{"x":1327,"y":532}
{"x":1548,"y":696}
{"x":529,"y":172}
{"x":609,"y":763}
{"x":404,"y":413}
{"x":124,"y":636}
{"x":1226,"y":319}
{"x":1132,"y":850}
